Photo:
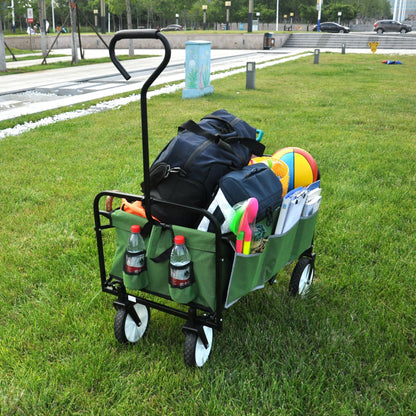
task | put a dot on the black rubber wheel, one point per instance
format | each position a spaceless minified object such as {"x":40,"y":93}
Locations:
{"x":302,"y":277}
{"x":125,"y":329}
{"x":195,"y":354}
{"x":379,"y":31}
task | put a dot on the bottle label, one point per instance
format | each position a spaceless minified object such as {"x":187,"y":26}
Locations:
{"x":135,"y":263}
{"x":181,"y":276}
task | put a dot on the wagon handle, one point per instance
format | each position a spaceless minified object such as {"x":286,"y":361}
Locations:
{"x":142,"y":34}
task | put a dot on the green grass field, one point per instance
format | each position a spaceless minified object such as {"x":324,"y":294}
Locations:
{"x":348,"y":349}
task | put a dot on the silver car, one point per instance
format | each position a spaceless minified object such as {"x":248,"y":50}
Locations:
{"x":382,"y":26}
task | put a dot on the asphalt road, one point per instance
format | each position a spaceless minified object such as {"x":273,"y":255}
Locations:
{"x":24,"y":94}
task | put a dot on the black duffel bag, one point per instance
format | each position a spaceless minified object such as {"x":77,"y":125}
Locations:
{"x":188,"y":169}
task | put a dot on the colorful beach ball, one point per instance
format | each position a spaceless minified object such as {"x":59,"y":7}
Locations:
{"x":303,"y":169}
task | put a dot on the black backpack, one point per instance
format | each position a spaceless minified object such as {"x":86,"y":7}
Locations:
{"x":188,"y":169}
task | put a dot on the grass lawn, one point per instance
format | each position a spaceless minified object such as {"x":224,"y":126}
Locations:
{"x":348,"y":349}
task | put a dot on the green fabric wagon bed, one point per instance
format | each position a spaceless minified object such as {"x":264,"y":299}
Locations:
{"x":240,"y":273}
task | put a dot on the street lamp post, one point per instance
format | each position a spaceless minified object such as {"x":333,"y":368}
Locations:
{"x":258,"y":20}
{"x":277,"y":15}
{"x":291,"y":19}
{"x":227,"y":16}
{"x":13,"y":19}
{"x":319,"y":8}
{"x":339,"y":17}
{"x":102,"y":9}
{"x":204,"y":9}
{"x":96,"y":19}
{"x":53,"y":15}
{"x":250,"y":16}
{"x":177,"y":18}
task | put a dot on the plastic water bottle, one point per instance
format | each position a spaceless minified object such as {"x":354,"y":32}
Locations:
{"x":180,"y":263}
{"x":135,"y":252}
{"x":181,"y":279}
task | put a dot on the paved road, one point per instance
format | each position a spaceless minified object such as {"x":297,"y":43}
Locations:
{"x":34,"y":92}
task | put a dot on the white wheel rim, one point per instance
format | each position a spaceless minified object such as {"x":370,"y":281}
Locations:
{"x":202,"y":353}
{"x":132,"y":331}
{"x":305,"y":280}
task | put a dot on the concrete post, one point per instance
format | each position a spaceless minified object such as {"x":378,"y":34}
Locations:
{"x":250,"y":75}
{"x":316,"y":56}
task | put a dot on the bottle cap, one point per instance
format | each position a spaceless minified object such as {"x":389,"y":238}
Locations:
{"x":135,"y":228}
{"x":179,"y":239}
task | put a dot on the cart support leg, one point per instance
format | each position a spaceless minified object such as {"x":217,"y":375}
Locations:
{"x":193,"y":325}
{"x":198,"y":330}
{"x":309,"y":253}
{"x":129,"y":307}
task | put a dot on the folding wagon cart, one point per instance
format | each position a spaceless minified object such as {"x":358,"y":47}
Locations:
{"x":222,"y":275}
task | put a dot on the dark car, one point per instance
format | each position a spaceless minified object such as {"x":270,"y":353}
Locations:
{"x":382,"y":26}
{"x":171,"y":27}
{"x":332,"y":27}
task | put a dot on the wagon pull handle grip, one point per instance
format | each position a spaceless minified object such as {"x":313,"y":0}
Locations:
{"x":138,"y":34}
{"x":143,"y":34}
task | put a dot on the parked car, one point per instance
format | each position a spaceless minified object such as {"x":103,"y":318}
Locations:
{"x":332,"y":27}
{"x":382,"y":26}
{"x":172,"y":28}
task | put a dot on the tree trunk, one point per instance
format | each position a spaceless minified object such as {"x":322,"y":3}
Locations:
{"x":73,"y":16}
{"x":42,"y":23}
{"x":129,"y":26}
{"x":2,"y":50}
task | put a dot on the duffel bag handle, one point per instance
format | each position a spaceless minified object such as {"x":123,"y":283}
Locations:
{"x":254,"y":146}
{"x":190,"y":125}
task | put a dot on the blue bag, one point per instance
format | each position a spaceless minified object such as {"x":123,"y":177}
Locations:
{"x":188,"y":169}
{"x":256,"y":180}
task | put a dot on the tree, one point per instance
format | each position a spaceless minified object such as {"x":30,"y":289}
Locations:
{"x":308,"y":14}
{"x":154,"y":13}
{"x":348,"y":12}
{"x":376,"y":9}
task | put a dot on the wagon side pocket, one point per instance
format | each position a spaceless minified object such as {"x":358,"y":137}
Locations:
{"x":201,"y":246}
{"x":304,"y":235}
{"x":251,"y":272}
{"x":123,"y":222}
